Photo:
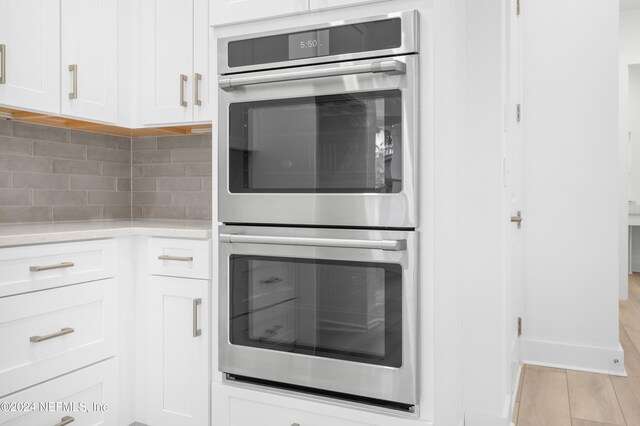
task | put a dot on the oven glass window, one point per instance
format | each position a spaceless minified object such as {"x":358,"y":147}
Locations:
{"x":326,"y":308}
{"x":346,"y":143}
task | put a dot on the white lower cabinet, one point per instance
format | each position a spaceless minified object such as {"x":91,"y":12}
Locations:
{"x":56,"y":331}
{"x":250,"y":413}
{"x":178,"y":340}
{"x":86,"y":397}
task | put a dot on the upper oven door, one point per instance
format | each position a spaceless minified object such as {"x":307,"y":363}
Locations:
{"x":332,"y":144}
{"x":325,"y":309}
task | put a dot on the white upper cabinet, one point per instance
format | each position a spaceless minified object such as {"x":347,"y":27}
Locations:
{"x":30,"y":54}
{"x":325,"y":4}
{"x":202,"y":87}
{"x":174,"y":54}
{"x":89,"y":59}
{"x":230,"y":11}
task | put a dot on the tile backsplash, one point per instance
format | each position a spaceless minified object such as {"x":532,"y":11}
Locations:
{"x":56,"y":174}
{"x":171,"y":177}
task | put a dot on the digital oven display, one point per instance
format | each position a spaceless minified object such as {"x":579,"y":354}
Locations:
{"x":309,"y":44}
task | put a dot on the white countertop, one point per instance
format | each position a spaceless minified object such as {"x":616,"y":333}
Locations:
{"x":37,"y":233}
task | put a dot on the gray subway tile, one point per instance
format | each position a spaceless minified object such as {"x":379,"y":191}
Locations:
{"x":108,"y":155}
{"x":16,"y":145}
{"x":109,"y":198}
{"x":58,"y":150}
{"x":62,"y":198}
{"x":143,"y":184}
{"x":151,"y":157}
{"x":96,"y":139}
{"x":151,"y":198}
{"x":124,"y":184}
{"x":198,"y":213}
{"x":20,"y":163}
{"x":37,"y":131}
{"x":15,"y":197}
{"x":124,"y":144}
{"x":191,"y":199}
{"x":184,"y":142}
{"x":67,"y":213}
{"x":77,"y":167}
{"x":206,"y":183}
{"x":103,"y":183}
{"x":116,"y":169}
{"x":158,"y":170}
{"x":5,"y":179}
{"x":142,"y":144}
{"x":13,"y":214}
{"x":179,"y":184}
{"x":164,"y":212}
{"x":136,"y":212}
{"x":203,"y":169}
{"x":116,"y":212}
{"x":191,"y":155}
{"x":40,"y":181}
{"x":6,"y":127}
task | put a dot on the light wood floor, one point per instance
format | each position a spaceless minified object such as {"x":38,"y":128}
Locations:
{"x":554,"y":397}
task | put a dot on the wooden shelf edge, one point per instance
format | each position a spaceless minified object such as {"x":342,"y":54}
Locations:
{"x":105,"y":129}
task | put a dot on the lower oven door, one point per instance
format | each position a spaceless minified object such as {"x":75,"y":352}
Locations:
{"x":332,"y":310}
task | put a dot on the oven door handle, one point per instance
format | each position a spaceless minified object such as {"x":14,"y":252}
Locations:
{"x":393,"y":245}
{"x":391,"y":67}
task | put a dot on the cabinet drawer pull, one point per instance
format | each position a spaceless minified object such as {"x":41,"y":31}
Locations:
{"x":74,"y":73}
{"x":196,"y":90}
{"x":196,"y":331}
{"x":64,"y":331}
{"x":49,"y":267}
{"x":183,"y":81}
{"x":3,"y":63}
{"x":295,"y":424}
{"x":176,"y":258}
{"x":65,"y":421}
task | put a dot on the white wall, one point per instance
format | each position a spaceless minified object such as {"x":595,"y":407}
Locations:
{"x":571,"y":184}
{"x":634,"y":128}
{"x":629,"y":54}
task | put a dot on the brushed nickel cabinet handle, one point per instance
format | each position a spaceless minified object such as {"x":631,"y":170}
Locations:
{"x":295,"y":424}
{"x":517,"y":219}
{"x":49,"y":267}
{"x":73,"y":68}
{"x":3,"y":64}
{"x":63,"y":332}
{"x":183,"y":81}
{"x":196,"y":331}
{"x":196,"y":90}
{"x":177,"y":258}
{"x":65,"y":421}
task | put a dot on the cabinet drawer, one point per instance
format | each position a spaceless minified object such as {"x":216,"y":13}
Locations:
{"x":38,"y":267}
{"x":49,"y":333}
{"x":93,"y":388}
{"x":179,"y":257}
{"x":250,"y":413}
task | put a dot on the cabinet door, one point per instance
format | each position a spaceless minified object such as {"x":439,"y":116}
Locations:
{"x":325,"y":4}
{"x":229,"y":11}
{"x":89,"y":66}
{"x":167,"y":61}
{"x":30,"y":34}
{"x":202,"y":77}
{"x":178,"y":374}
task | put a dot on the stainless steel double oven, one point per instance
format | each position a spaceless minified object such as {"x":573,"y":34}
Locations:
{"x":318,"y":140}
